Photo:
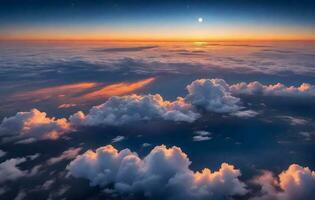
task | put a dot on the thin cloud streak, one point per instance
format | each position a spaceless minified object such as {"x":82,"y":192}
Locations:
{"x":81,"y":92}
{"x":62,"y":91}
{"x":117,"y":89}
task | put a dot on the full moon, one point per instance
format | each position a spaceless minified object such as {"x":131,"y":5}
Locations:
{"x":200,"y":19}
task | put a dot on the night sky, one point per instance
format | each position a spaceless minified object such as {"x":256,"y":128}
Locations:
{"x":157,"y":20}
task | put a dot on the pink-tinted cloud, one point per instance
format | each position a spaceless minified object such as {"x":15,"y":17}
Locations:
{"x":56,"y":92}
{"x":118,"y":89}
{"x":66,"y":155}
{"x":33,"y":124}
{"x":67,"y":105}
{"x":296,"y":182}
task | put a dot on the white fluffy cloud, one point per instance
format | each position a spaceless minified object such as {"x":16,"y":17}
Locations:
{"x":294,"y":183}
{"x":163,"y":173}
{"x":213,"y":95}
{"x":33,"y":124}
{"x":279,"y":89}
{"x":130,"y":108}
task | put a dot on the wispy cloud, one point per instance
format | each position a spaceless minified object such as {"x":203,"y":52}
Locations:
{"x":125,"y":49}
{"x":117,"y":89}
{"x":66,"y":155}
{"x":118,"y":139}
{"x":69,"y":95}
{"x":202,"y":136}
{"x":61,"y":91}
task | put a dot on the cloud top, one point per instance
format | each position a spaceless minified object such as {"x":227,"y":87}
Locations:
{"x":279,"y":89}
{"x":35,"y":124}
{"x":163,"y":173}
{"x":296,"y":182}
{"x":130,"y":108}
{"x":213,"y":95}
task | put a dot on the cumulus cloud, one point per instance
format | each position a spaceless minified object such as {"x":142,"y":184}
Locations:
{"x":66,"y":155}
{"x":245,"y":113}
{"x":202,"y":136}
{"x":294,"y":121}
{"x":118,"y":139}
{"x":296,"y":182}
{"x":213,"y":95}
{"x":279,"y":89}
{"x":2,"y":153}
{"x":163,"y":173}
{"x":120,"y":110}
{"x":9,"y":170}
{"x":33,"y":124}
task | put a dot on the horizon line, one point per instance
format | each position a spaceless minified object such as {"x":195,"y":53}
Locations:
{"x":156,"y":40}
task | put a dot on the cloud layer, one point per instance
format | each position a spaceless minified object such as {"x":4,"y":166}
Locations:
{"x":212,"y":95}
{"x":279,"y":89}
{"x":163,"y":173}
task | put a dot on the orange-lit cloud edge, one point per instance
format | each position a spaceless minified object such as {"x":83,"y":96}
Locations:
{"x":82,"y":92}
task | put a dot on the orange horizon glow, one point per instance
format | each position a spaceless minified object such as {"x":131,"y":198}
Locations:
{"x":160,"y":34}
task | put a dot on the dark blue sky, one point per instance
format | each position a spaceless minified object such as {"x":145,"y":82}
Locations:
{"x":18,"y":17}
